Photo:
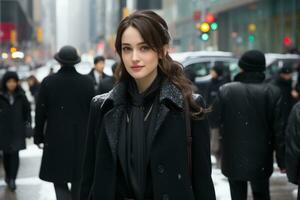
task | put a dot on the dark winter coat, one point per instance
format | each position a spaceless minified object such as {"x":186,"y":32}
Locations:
{"x":13,"y":119}
{"x":251,"y":126}
{"x":91,"y":75}
{"x":287,"y":100}
{"x":61,"y":121}
{"x":106,"y":84}
{"x":168,"y":157}
{"x":293,"y":146}
{"x":213,"y":89}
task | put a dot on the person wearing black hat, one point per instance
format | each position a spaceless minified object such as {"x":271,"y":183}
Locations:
{"x":217,"y":80}
{"x":62,"y":111}
{"x":97,"y":74}
{"x":248,"y":113}
{"x":14,"y":119}
{"x":283,"y":80}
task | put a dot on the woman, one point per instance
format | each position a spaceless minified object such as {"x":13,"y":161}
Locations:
{"x":14,"y":117}
{"x":137,"y":144}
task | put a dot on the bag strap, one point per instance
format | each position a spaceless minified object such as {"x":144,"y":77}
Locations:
{"x":188,"y":135}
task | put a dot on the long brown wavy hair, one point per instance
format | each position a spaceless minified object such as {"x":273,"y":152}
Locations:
{"x":154,"y":31}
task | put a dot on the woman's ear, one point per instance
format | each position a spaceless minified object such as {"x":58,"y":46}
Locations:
{"x":165,"y":51}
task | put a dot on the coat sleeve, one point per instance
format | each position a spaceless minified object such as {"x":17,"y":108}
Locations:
{"x":293,"y":145}
{"x":278,"y":130}
{"x":90,"y":153}
{"x":40,"y":114}
{"x":201,"y":173}
{"x":26,"y":111}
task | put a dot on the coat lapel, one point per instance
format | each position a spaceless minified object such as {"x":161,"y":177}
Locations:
{"x":114,"y":117}
{"x":169,"y":93}
{"x":112,"y":122}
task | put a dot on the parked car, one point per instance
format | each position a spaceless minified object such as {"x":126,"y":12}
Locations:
{"x":202,"y":61}
{"x":275,"y":61}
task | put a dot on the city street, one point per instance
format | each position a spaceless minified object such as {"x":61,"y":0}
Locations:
{"x":30,"y":187}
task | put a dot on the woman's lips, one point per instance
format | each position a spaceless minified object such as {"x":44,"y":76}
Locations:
{"x":136,"y":68}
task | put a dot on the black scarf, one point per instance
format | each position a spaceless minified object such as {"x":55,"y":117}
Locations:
{"x":135,"y":139}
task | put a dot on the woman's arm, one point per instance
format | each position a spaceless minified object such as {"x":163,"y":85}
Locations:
{"x":88,"y":167}
{"x":201,"y":176}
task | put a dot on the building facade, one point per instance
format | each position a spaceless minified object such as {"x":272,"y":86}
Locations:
{"x":269,"y":25}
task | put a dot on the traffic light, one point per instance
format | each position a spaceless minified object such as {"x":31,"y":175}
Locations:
{"x":204,"y":27}
{"x":251,"y":38}
{"x":287,"y":41}
{"x":208,"y":25}
{"x":214,"y":26}
{"x":204,"y":36}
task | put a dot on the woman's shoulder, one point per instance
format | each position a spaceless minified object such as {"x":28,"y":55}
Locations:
{"x":99,"y":100}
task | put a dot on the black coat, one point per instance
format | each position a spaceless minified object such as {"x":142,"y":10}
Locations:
{"x":168,"y":157}
{"x":106,"y":84}
{"x":13,"y":119}
{"x":251,"y":127}
{"x":293,"y":146}
{"x":287,"y":100}
{"x":61,"y":121}
{"x":91,"y":75}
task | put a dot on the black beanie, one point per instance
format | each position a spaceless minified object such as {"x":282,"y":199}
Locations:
{"x":218,"y":69}
{"x":253,"y":61}
{"x":287,"y":68}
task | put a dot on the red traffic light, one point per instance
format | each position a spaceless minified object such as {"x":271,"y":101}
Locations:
{"x":287,"y":41}
{"x":210,"y":18}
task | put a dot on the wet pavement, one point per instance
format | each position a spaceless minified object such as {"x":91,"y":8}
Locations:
{"x":30,"y":187}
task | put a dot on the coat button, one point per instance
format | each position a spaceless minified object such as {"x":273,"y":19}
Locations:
{"x":160,"y":169}
{"x":165,"y":197}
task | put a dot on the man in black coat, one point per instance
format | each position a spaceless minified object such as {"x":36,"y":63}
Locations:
{"x":284,"y":82}
{"x":251,"y":128}
{"x":293,"y":147}
{"x":108,"y":82}
{"x":61,"y":120}
{"x":97,"y":74}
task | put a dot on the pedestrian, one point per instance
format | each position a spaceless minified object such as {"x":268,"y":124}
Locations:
{"x":137,"y":146}
{"x":217,"y":80}
{"x":284,"y":81}
{"x":108,"y":82}
{"x":34,"y":86}
{"x":61,"y":120}
{"x":97,"y":74}
{"x":251,"y":126}
{"x":293,"y":147}
{"x":15,"y":118}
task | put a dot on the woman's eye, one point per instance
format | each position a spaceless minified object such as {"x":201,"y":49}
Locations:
{"x":145,"y":48}
{"x":125,"y":49}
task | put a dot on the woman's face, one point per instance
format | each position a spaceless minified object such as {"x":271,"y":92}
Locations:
{"x":11,"y":85}
{"x":139,"y":59}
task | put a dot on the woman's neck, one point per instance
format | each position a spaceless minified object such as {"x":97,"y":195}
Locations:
{"x":144,"y":83}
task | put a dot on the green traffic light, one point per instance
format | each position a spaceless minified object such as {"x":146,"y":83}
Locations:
{"x":204,"y":36}
{"x":251,"y":38}
{"x":214,"y":26}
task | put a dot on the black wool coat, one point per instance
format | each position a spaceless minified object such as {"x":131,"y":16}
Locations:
{"x":13,"y":119}
{"x":249,"y":114}
{"x":293,"y":146}
{"x":61,"y":120}
{"x":168,"y":155}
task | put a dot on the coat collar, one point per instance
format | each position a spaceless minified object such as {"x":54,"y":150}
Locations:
{"x":117,"y":98}
{"x":169,"y":93}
